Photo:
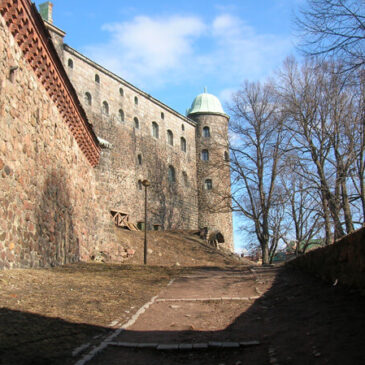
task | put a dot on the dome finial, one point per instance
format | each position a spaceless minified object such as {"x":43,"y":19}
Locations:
{"x":205,"y":89}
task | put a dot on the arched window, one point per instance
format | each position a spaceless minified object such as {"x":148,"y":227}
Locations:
{"x":139,"y":158}
{"x":185,"y":178}
{"x":121,"y":115}
{"x":206,"y":132}
{"x":88,"y":98}
{"x":182,"y":127}
{"x":155,"y":131}
{"x":121,"y":91}
{"x":136,"y":100}
{"x":205,"y":155}
{"x":105,"y":108}
{"x":136,"y":123}
{"x":183,"y":144}
{"x":226,"y":156}
{"x":208,"y":184}
{"x":140,"y":185}
{"x":162,"y":115}
{"x":171,"y":174}
{"x":170,"y":138}
{"x":70,"y":63}
{"x":97,"y":78}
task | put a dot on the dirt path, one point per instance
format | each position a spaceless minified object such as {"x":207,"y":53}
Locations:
{"x":212,"y":316}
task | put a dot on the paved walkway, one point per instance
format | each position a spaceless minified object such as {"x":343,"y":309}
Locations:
{"x":186,"y":322}
{"x":236,"y":316}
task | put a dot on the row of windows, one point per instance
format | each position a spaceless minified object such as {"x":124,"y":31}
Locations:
{"x":105,"y":111}
{"x":70,"y":64}
{"x":170,"y":136}
{"x":204,"y":156}
{"x":171,"y":176}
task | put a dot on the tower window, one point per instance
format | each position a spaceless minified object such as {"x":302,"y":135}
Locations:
{"x":182,"y":127}
{"x":88,"y":98}
{"x":139,"y":158}
{"x":183,"y":144}
{"x":170,"y":138}
{"x":97,"y":78}
{"x":70,"y":63}
{"x":105,"y":108}
{"x":162,"y":116}
{"x":136,"y":100}
{"x":226,"y":156}
{"x":171,"y":174}
{"x":206,"y":132}
{"x":208,"y":184}
{"x":121,"y":115}
{"x":205,"y":155}
{"x":155,"y":130}
{"x":121,"y":92}
{"x":136,"y":123}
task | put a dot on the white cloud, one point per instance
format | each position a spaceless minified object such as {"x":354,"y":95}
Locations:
{"x":244,"y":53}
{"x":182,"y":49}
{"x":147,"y":48}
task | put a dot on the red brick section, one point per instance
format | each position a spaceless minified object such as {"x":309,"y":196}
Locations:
{"x":27,"y":28}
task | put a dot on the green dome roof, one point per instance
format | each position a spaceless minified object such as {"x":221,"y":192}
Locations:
{"x":205,"y":103}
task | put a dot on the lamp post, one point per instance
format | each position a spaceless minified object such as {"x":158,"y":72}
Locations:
{"x":146,"y":184}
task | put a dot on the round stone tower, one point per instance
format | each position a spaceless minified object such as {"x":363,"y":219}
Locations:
{"x":213,"y":169}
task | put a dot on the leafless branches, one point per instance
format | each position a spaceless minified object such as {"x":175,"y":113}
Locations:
{"x":334,"y":28}
{"x":297,"y":151}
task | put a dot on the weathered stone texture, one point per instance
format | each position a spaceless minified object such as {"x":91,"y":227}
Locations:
{"x":48,"y":207}
{"x":172,"y":205}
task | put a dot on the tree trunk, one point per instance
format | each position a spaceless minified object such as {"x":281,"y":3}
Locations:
{"x":327,"y":222}
{"x":346,"y":207}
{"x":265,"y":253}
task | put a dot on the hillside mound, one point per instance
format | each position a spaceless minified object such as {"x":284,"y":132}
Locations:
{"x":169,"y":248}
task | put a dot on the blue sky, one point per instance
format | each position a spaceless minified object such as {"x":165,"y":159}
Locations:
{"x":173,"y":49}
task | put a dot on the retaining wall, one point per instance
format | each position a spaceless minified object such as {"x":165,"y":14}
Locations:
{"x":343,"y":261}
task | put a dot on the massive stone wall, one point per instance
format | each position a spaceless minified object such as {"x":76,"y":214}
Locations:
{"x":49,"y":211}
{"x":342,"y":263}
{"x":112,"y":106}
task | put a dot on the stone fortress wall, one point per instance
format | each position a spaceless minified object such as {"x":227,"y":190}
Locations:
{"x":184,"y":204}
{"x":124,"y":116}
{"x":57,"y":186}
{"x":49,"y":211}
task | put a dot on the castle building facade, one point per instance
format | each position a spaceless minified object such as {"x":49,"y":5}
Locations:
{"x":125,"y":136}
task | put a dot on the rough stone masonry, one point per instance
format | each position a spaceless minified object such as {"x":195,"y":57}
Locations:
{"x":58,"y":188}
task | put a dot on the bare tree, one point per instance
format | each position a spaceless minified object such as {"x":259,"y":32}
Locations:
{"x":325,"y":118}
{"x":304,"y":215}
{"x":335,"y":28}
{"x":357,"y":171}
{"x":257,"y":136}
{"x":308,"y":115}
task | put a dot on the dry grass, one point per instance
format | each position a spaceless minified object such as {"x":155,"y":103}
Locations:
{"x":46,"y":313}
{"x":170,"y":247}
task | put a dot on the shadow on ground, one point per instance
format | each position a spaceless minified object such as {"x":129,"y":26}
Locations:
{"x":299,"y":320}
